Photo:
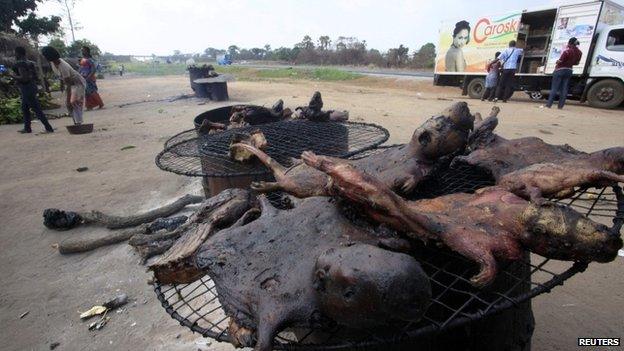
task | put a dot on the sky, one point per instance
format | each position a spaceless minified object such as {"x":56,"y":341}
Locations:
{"x":145,"y":27}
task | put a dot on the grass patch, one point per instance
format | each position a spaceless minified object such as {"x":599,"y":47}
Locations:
{"x":325,"y":74}
{"x":155,"y":69}
{"x":244,"y":73}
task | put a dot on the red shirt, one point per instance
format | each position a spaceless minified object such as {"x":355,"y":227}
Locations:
{"x":569,"y":57}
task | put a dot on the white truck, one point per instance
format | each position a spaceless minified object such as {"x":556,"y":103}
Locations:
{"x":467,"y":45}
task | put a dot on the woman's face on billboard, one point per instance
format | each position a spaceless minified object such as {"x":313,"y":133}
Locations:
{"x":460,"y":40}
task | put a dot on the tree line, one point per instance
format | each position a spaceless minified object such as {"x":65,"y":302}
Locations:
{"x":324,"y":51}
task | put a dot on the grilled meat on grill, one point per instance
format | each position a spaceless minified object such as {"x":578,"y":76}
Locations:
{"x":400,"y":168}
{"x":309,"y":266}
{"x":491,"y":224}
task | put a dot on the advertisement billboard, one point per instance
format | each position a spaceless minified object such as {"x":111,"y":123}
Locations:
{"x":467,"y":45}
{"x":578,"y":21}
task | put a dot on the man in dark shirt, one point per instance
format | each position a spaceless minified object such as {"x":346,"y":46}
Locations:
{"x":26,"y":77}
{"x":571,"y":56}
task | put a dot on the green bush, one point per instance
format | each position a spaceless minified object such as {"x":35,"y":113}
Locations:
{"x":10,"y":111}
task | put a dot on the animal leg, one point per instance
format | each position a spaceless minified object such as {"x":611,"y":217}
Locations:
{"x":535,"y":195}
{"x":601,"y":175}
{"x":409,"y":184}
{"x":267,"y":329}
{"x":277,"y":169}
{"x":476,"y":246}
{"x":265,"y":187}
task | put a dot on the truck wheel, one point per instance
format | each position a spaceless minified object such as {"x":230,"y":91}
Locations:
{"x":536,"y":95}
{"x":476,"y":87}
{"x":608,"y":93}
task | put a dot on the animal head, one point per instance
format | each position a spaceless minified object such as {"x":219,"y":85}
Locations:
{"x":363,"y":285}
{"x":444,"y":134}
{"x":561,"y":233}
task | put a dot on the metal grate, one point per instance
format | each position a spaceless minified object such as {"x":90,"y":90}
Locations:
{"x":207,"y":155}
{"x":455,"y":302}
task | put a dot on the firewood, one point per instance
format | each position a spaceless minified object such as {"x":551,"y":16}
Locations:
{"x":62,"y":220}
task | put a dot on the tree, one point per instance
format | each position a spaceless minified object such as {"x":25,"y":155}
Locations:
{"x":397,"y":57}
{"x":33,"y":26}
{"x":425,"y":57}
{"x":74,"y":49}
{"x":233,"y":50}
{"x":306,"y":43}
{"x":213,"y":53}
{"x":68,"y":8}
{"x":258,"y":54}
{"x":59,"y":45}
{"x":324,"y":42}
{"x":12,"y":10}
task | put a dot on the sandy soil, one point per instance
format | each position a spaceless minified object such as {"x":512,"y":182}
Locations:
{"x":39,"y":171}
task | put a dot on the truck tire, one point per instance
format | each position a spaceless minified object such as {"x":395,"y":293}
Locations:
{"x":607,"y":93}
{"x":476,"y":88}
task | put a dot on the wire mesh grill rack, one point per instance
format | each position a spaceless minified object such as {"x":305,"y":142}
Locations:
{"x":207,"y":155}
{"x":455,"y":302}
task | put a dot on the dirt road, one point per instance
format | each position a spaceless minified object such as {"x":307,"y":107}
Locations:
{"x":39,"y":171}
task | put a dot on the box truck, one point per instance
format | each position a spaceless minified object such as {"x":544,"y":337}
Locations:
{"x":466,"y":45}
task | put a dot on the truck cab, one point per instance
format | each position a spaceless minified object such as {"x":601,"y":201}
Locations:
{"x":605,"y":85}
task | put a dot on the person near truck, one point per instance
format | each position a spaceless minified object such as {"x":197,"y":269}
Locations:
{"x":571,"y":56}
{"x":454,"y":59}
{"x":491,"y":80}
{"x":509,"y":59}
{"x":25,"y":73}
{"x":74,"y":83}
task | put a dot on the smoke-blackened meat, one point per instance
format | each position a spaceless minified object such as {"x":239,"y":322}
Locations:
{"x":488,"y":225}
{"x":400,"y":168}
{"x":305,"y":267}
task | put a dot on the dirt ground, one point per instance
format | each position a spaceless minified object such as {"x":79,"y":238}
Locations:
{"x":39,"y":171}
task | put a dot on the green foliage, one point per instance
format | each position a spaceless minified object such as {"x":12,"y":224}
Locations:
{"x":35,"y":26}
{"x":59,"y":45}
{"x":10,"y":111}
{"x":74,"y":50}
{"x":325,"y":74}
{"x":12,"y":10}
{"x":153,"y":68}
{"x":425,"y":57}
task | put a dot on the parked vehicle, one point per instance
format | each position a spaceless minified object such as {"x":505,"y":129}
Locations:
{"x":543,"y":34}
{"x":224,"y":60}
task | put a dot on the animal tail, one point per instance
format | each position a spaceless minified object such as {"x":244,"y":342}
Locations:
{"x":278,"y":170}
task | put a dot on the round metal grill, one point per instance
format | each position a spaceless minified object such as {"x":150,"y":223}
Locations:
{"x":207,"y":155}
{"x":455,"y":302}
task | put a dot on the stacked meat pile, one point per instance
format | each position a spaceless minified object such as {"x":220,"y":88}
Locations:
{"x":313,"y":266}
{"x":246,"y":115}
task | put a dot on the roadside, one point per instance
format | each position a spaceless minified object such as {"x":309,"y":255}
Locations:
{"x":39,"y":171}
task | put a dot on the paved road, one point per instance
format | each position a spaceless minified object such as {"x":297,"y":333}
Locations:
{"x":363,"y":70}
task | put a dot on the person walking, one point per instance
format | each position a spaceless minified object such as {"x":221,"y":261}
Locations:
{"x":25,"y":73}
{"x":571,"y":56}
{"x":74,"y":83}
{"x":509,"y":58}
{"x":88,"y":71}
{"x":491,"y":80}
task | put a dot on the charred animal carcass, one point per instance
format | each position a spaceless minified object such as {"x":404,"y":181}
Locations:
{"x":488,"y":225}
{"x":308,"y":266}
{"x":314,"y":111}
{"x":532,"y":168}
{"x":400,"y":168}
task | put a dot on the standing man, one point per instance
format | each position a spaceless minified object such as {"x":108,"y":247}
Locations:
{"x":509,"y":58}
{"x":571,"y":56}
{"x":25,"y":73}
